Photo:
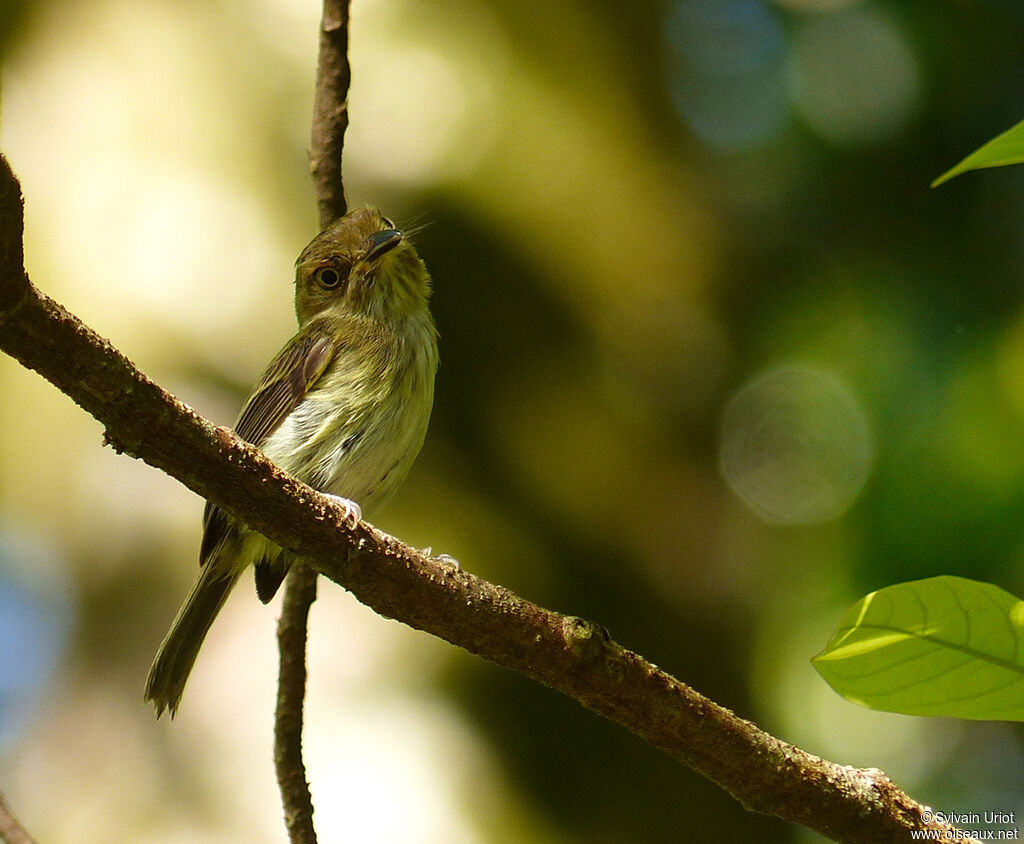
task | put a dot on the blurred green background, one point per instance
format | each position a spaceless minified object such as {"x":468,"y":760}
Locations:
{"x":715,"y":363}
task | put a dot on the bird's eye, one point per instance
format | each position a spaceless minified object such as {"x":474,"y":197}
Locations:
{"x":327,"y":277}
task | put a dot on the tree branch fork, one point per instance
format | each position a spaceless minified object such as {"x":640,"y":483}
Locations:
{"x":571,"y":655}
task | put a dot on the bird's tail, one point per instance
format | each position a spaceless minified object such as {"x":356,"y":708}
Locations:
{"x":180,"y":647}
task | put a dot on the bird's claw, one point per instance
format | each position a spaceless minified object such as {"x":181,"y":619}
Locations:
{"x":353,"y":512}
{"x":447,"y":560}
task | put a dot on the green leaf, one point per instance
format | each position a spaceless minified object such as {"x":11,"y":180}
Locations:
{"x":1007,"y":148}
{"x":940,"y":646}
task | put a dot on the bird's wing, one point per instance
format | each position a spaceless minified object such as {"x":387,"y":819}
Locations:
{"x":286,"y":381}
{"x":290,"y":375}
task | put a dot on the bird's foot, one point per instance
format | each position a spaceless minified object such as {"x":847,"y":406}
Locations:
{"x":353,"y":512}
{"x":444,"y":559}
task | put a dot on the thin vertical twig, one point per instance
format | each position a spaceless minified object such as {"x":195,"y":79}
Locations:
{"x":330,"y":119}
{"x":330,"y":112}
{"x":300,"y":592}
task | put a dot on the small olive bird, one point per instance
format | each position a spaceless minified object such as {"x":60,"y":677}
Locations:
{"x":343,"y":407}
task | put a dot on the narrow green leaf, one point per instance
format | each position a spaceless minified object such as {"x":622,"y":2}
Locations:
{"x":1007,"y":148}
{"x":940,"y":646}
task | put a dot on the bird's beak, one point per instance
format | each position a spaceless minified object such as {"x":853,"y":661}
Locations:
{"x":381,"y":243}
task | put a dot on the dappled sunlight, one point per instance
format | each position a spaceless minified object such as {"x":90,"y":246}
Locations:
{"x":714,"y":363}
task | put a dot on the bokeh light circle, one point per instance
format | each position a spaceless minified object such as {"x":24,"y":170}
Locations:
{"x":796,"y":446}
{"x":855,"y":80}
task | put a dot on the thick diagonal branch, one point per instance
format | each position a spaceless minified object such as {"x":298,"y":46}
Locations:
{"x":569,"y":654}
